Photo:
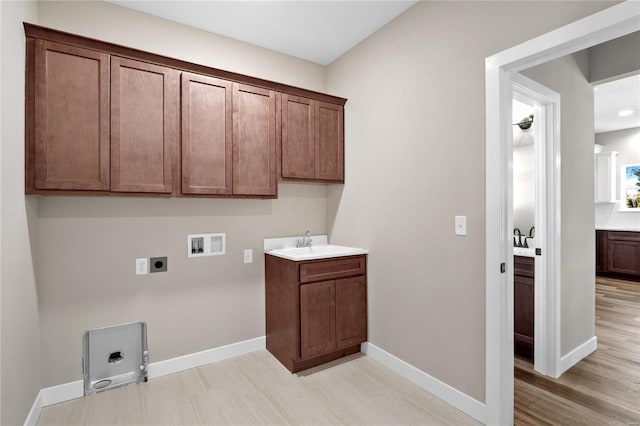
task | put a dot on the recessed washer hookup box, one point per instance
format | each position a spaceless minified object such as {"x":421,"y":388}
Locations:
{"x":114,"y":356}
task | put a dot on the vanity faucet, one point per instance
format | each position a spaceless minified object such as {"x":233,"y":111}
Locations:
{"x":305,"y":241}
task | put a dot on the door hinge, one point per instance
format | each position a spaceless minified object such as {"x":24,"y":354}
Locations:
{"x":503,"y":268}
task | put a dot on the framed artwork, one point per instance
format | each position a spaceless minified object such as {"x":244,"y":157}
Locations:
{"x":631,"y":186}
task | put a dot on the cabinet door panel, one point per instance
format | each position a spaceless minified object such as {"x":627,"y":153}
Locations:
{"x":624,"y":257}
{"x":71,"y":118}
{"x":523,"y":315}
{"x":298,"y":143}
{"x":144,"y":122}
{"x":206,"y":135}
{"x":254,"y":141}
{"x":329,"y":142}
{"x":601,"y":251}
{"x":351,"y":311}
{"x":317,"y":319}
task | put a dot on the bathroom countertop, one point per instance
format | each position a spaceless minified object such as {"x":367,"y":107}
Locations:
{"x":618,"y":228}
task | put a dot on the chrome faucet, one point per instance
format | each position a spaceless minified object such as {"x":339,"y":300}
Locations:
{"x":304,"y":241}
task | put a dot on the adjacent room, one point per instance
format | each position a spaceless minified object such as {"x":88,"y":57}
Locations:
{"x":272,"y":212}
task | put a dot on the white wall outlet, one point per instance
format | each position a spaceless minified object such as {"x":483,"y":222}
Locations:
{"x":248,"y":256}
{"x":142,"y":266}
{"x":461,"y":225}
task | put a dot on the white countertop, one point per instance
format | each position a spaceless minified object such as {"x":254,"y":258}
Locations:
{"x":618,"y":228}
{"x":527,"y":252}
{"x":320,"y":249}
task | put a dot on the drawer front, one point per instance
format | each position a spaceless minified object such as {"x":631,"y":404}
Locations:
{"x":332,"y":269}
{"x":624,"y":236}
{"x":523,"y":266}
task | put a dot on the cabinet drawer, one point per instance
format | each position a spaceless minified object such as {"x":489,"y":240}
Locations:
{"x":523,"y":266}
{"x":331,"y":269}
{"x":624,"y":236}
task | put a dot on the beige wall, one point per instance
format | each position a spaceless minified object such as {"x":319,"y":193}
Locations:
{"x":615,"y":58}
{"x":88,"y":245}
{"x":20,"y":331}
{"x":569,"y":76}
{"x":627,"y":143}
{"x":414,"y":159}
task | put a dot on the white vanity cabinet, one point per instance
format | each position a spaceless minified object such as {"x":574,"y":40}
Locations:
{"x":605,"y":177}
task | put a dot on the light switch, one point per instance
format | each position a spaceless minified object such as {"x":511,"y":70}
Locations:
{"x":248,"y":256}
{"x":461,"y":225}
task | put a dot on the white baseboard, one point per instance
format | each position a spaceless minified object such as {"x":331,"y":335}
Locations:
{"x":198,"y":359}
{"x":73,"y":390}
{"x":34,"y":413}
{"x":448,"y":394}
{"x":576,"y":355}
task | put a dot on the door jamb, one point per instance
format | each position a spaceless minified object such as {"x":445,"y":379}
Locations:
{"x":610,"y":23}
{"x":547,"y":221}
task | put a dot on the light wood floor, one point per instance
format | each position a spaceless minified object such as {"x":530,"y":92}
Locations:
{"x":256,"y":389}
{"x":602,"y":389}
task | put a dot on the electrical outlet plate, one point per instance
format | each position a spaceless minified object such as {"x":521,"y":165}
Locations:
{"x":142,"y":266}
{"x":158,"y":264}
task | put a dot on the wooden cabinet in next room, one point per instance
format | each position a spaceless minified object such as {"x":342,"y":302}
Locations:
{"x":523,"y":305}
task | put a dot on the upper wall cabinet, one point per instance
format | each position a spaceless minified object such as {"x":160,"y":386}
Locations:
{"x":254,"y":141}
{"x":70,"y":110}
{"x":103,"y":119}
{"x":605,"y":177}
{"x":206,"y":135}
{"x":312,"y":140}
{"x":144,"y":126}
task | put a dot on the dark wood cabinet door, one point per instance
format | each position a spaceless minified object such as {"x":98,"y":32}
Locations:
{"x":144,"y":125}
{"x":523,"y":305}
{"x":71,"y":118}
{"x":206,"y":135}
{"x":317,"y":319}
{"x":602,"y":251}
{"x":254,"y":141}
{"x":329,"y":142}
{"x":351,"y":311}
{"x":298,"y":137}
{"x":624,"y":257}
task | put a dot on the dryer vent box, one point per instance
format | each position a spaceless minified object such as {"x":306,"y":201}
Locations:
{"x":114,"y":356}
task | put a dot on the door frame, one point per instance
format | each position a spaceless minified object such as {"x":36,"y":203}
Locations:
{"x":610,"y":23}
{"x":546,"y":336}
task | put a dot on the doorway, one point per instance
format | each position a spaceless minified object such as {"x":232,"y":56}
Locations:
{"x":608,"y":24}
{"x":544,"y":105}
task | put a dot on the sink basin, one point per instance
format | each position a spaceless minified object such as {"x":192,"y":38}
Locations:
{"x":521,"y":251}
{"x":316,"y":252}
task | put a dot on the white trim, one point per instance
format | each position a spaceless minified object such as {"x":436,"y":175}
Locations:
{"x":547,"y":221}
{"x":185,"y":362}
{"x":610,"y":23}
{"x":73,"y":390}
{"x":34,"y":413}
{"x":576,"y":355}
{"x":448,"y":394}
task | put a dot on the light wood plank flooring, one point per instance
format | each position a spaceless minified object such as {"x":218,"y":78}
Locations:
{"x":602,"y":389}
{"x":256,"y":389}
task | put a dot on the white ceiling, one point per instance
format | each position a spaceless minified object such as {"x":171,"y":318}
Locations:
{"x":611,"y":98}
{"x":318,"y":31}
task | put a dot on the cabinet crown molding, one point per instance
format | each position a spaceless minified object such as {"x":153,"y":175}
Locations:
{"x":44,"y":33}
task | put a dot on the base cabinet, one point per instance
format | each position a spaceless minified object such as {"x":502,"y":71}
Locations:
{"x":316,"y":311}
{"x":523,"y":305}
{"x":618,"y":254}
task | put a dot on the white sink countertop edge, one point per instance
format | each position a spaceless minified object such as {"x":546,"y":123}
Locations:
{"x":274,"y":246}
